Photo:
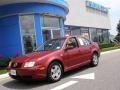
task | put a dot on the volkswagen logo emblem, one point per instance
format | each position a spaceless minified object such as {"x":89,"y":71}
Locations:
{"x":15,"y":65}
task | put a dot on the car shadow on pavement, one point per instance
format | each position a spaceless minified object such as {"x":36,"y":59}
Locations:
{"x":75,"y":71}
{"x":14,"y":84}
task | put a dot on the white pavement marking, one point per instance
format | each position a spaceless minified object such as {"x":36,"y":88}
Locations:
{"x":65,"y":85}
{"x":4,"y":76}
{"x":86,"y":76}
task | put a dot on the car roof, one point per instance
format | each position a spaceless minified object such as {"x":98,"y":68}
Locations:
{"x":69,"y":37}
{"x":75,"y":36}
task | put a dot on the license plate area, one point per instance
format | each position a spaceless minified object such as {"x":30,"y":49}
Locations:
{"x":13,"y":72}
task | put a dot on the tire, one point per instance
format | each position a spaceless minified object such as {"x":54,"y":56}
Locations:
{"x":55,"y":72}
{"x":95,"y":60}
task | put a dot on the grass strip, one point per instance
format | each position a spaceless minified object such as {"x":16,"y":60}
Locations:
{"x":110,"y":48}
{"x":3,"y":71}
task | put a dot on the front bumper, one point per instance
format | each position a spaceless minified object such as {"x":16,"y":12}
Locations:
{"x":28,"y":73}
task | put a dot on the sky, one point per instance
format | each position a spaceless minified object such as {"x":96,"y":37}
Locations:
{"x":114,"y":6}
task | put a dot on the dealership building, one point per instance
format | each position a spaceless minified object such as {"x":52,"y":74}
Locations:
{"x":26,"y":24}
{"x":88,"y":19}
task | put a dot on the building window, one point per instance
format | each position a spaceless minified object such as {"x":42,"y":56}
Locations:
{"x":72,"y":30}
{"x":106,"y":36}
{"x":85,"y":32}
{"x":56,"y":33}
{"x":76,"y":31}
{"x":100,"y":35}
{"x":50,"y":27}
{"x":50,"y":21}
{"x":67,"y":32}
{"x":93,"y":34}
{"x":28,"y":32}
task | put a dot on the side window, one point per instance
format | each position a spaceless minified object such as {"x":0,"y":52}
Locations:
{"x":72,"y":42}
{"x":83,"y":42}
{"x":86,"y":41}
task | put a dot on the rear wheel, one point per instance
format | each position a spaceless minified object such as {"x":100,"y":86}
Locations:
{"x":55,"y":72}
{"x":95,"y":60}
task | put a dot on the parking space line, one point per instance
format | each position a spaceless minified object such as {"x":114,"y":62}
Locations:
{"x":65,"y":85}
{"x":89,"y":76}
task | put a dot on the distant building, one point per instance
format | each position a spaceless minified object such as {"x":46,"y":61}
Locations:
{"x":88,"y":19}
{"x":26,"y":24}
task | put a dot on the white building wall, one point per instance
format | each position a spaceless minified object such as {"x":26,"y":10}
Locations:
{"x":80,"y":15}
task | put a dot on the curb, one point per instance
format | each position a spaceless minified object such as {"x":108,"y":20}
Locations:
{"x":3,"y":76}
{"x":111,"y":51}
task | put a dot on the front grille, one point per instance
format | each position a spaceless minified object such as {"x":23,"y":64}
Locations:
{"x":16,"y":65}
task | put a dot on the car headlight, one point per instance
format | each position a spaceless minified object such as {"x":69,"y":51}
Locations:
{"x":29,"y":64}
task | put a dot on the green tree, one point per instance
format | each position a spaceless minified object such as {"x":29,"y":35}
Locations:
{"x":118,"y":30}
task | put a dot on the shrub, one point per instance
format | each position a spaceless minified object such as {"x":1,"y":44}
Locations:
{"x":106,"y":45}
{"x":4,"y":61}
{"x":117,"y":38}
{"x":117,"y":45}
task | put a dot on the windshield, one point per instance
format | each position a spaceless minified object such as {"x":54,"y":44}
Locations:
{"x":53,"y":44}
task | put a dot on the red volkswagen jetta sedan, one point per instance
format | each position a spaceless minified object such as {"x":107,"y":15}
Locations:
{"x":55,"y":57}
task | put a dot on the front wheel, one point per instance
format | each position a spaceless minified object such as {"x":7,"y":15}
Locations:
{"x":55,"y":72}
{"x":95,"y":60}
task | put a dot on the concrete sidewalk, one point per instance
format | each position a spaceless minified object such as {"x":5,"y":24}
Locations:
{"x":3,"y":76}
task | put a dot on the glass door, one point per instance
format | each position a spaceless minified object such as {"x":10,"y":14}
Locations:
{"x":29,"y":43}
{"x":46,"y":35}
{"x":56,"y":33}
{"x":27,"y":33}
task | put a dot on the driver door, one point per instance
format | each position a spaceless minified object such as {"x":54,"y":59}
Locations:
{"x":71,"y":55}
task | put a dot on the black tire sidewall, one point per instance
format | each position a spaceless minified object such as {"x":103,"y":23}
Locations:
{"x":92,"y":62}
{"x":49,"y":77}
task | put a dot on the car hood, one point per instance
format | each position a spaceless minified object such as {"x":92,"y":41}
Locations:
{"x":32,"y":56}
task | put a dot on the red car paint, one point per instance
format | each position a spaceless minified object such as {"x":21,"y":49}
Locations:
{"x":70,"y":59}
